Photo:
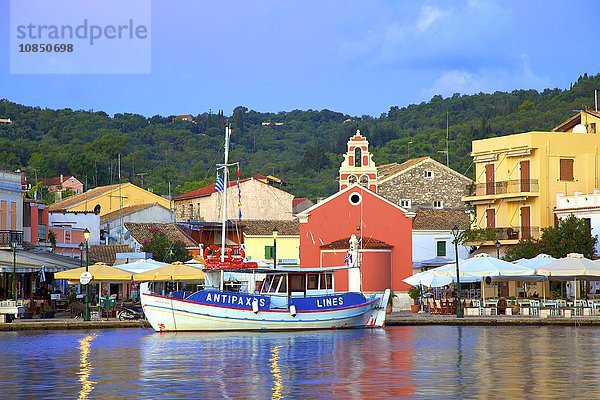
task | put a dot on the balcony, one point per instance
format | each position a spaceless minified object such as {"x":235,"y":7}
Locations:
{"x":506,"y":235}
{"x":502,"y":190}
{"x":7,"y":237}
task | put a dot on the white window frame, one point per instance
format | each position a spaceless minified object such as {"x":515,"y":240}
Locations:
{"x":428,"y":175}
{"x":440,"y":206}
{"x":405,"y":201}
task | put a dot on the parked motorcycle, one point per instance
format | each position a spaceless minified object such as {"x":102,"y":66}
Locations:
{"x":128,"y":312}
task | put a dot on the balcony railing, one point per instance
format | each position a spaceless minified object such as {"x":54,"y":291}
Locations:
{"x":480,"y":236}
{"x":518,"y":233}
{"x":7,"y":237}
{"x":504,"y":187}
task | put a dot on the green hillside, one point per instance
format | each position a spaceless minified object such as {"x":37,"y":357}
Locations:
{"x":306,"y":151}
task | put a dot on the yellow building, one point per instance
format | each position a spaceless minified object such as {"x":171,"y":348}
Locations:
{"x":517,"y":176}
{"x":106,"y":199}
{"x":259,"y":241}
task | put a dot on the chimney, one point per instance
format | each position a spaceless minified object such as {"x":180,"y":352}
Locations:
{"x":61,"y":179}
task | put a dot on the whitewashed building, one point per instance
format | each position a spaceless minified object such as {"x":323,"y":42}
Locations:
{"x":584,"y":206}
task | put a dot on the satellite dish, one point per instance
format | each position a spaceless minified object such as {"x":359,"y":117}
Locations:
{"x":579,"y":129}
{"x":97,"y":209}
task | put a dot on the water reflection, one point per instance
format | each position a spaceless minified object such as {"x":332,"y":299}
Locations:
{"x":277,"y":382}
{"x":85,"y":367}
{"x":415,"y":362}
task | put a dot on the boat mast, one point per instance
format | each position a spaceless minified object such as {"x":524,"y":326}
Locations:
{"x":225,"y":181}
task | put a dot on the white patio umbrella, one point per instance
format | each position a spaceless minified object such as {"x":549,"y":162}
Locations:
{"x":140,"y":266}
{"x":574,"y":266}
{"x":483,"y":265}
{"x":537,"y":262}
{"x":427,"y":278}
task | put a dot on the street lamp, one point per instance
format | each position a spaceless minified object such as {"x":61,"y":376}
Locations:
{"x":459,"y":310}
{"x":13,"y":245}
{"x":275,"y":232}
{"x":86,"y":235}
{"x":498,"y":257}
{"x":81,"y":249}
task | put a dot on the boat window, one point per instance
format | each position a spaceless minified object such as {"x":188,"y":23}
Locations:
{"x":325,"y":281}
{"x":283,"y":285}
{"x":267,"y":284}
{"x":312,"y":282}
{"x":296,"y":283}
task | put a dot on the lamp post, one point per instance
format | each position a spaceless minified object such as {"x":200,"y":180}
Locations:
{"x":498,"y":257}
{"x":13,"y":245}
{"x":81,"y":249}
{"x":459,"y":310}
{"x":275,"y":232}
{"x":86,"y":235}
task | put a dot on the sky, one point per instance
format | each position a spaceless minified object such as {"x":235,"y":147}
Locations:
{"x":355,"y":57}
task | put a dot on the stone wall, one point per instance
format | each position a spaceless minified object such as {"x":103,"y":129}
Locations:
{"x":259,"y":201}
{"x":412,"y":184}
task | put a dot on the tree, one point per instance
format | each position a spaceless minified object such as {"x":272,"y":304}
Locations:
{"x":572,"y":235}
{"x":163,"y":249}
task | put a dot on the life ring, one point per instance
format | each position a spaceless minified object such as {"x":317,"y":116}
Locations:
{"x":210,"y":248}
{"x":242,"y":253}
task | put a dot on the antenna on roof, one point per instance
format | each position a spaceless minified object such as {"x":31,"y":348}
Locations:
{"x":596,"y":98}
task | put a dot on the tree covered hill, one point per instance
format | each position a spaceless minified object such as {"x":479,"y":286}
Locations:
{"x":306,"y":150}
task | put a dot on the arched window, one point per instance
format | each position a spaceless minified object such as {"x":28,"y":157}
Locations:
{"x":357,"y":157}
{"x":352,"y":179}
{"x":364,"y":180}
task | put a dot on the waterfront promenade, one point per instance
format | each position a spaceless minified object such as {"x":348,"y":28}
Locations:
{"x":401,"y":318}
{"x":408,"y":318}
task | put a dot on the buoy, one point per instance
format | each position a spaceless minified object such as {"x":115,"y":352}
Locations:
{"x":293,"y":310}
{"x":255,"y":306}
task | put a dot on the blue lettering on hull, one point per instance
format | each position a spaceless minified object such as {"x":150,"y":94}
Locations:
{"x":229,"y":299}
{"x":320,"y":303}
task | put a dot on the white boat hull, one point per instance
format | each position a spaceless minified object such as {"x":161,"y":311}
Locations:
{"x":166,"y":314}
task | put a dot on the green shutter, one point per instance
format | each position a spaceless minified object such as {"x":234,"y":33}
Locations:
{"x":268,"y":252}
{"x":441,"y":249}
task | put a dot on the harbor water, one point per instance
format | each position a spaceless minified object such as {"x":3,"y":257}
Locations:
{"x":396,"y":362}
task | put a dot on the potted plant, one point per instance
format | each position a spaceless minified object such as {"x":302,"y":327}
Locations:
{"x":414,"y":293}
{"x":47,"y":311}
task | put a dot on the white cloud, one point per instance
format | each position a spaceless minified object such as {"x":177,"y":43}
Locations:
{"x":429,"y":15}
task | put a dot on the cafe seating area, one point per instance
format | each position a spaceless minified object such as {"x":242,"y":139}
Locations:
{"x":559,"y":308}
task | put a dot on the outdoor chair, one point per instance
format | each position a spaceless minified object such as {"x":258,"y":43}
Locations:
{"x":453,"y":307}
{"x":77,"y":309}
{"x":432,"y":307}
{"x":445,"y":305}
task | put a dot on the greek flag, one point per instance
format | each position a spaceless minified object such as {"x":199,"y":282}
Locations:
{"x":219,"y":185}
{"x":42,"y":273}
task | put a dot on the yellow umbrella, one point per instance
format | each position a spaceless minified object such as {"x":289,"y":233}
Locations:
{"x":173,"y":272}
{"x":99,"y":271}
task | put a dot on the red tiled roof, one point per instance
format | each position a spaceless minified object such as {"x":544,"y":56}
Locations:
{"x":143,"y":231}
{"x":440,"y":220}
{"x":298,"y":200}
{"x":368,"y":243}
{"x":265,"y":227}
{"x":386,"y":170}
{"x":79,"y":198}
{"x":107,"y":253}
{"x":55,"y":180}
